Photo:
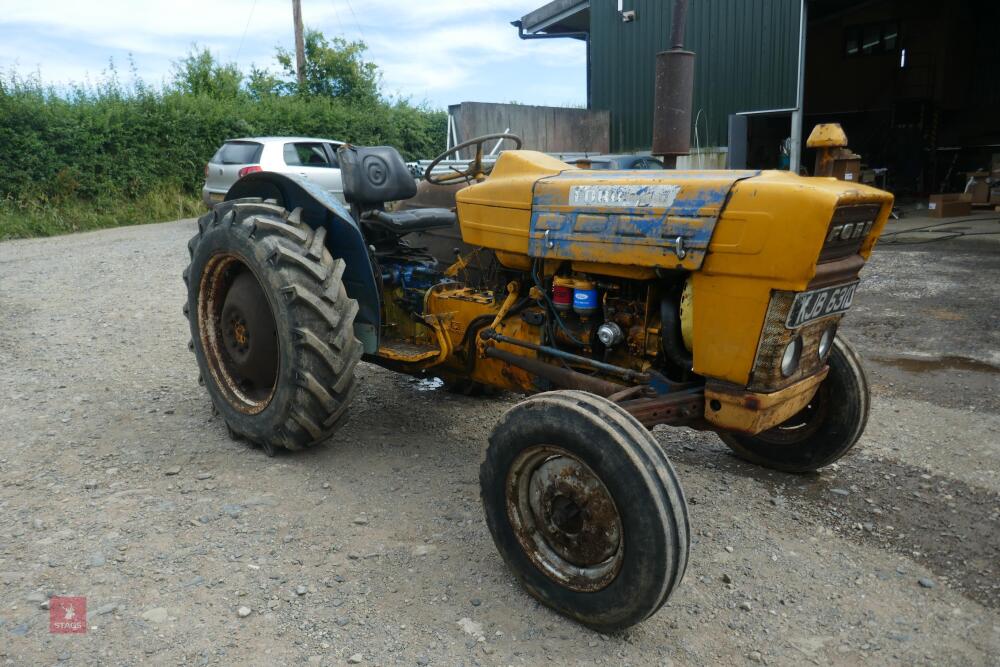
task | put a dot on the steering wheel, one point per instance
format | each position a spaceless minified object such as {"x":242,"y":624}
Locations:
{"x":475,"y":168}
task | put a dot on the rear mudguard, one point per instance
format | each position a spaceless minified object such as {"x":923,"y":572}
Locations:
{"x":343,"y":239}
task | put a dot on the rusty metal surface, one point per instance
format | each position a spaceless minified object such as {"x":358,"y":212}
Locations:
{"x":673,"y":93}
{"x":731,"y":407}
{"x":565,"y":518}
{"x":563,"y":378}
{"x":827,"y":158}
{"x":248,"y":333}
{"x":842,"y":270}
{"x":667,"y":409}
{"x":766,"y":375}
{"x":411,"y":358}
{"x":804,"y":424}
{"x":627,"y":393}
{"x":628,"y":374}
{"x":647,"y":218}
{"x":218,"y":278}
{"x":678,"y":24}
{"x":673,"y":98}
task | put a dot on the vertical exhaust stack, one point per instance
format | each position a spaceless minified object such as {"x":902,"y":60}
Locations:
{"x":674,"y":93}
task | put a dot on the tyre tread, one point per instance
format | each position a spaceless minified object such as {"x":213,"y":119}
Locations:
{"x":326,"y":349}
{"x":645,"y":456}
{"x":758,"y":451}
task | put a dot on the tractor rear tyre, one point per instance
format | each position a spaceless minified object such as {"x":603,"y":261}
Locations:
{"x":585,"y":508}
{"x":822,"y":432}
{"x":271,"y":324}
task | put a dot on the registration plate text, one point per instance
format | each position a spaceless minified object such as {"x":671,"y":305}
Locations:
{"x":818,"y":303}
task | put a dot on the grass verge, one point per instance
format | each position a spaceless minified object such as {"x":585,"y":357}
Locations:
{"x":40,"y":217}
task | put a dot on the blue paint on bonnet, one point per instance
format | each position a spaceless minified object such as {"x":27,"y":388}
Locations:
{"x":639,"y":235}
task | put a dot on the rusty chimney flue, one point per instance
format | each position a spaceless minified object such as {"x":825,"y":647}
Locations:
{"x":673,"y":94}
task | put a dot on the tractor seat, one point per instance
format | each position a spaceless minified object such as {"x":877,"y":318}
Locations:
{"x":374,"y":175}
{"x":412,"y":220}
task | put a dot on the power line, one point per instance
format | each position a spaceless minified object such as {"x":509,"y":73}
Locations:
{"x":245,"y":28}
{"x":336,"y":15}
{"x":355,"y":17}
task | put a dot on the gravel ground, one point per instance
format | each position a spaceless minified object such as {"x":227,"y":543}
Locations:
{"x":118,"y":484}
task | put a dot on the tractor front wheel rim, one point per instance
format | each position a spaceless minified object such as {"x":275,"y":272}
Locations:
{"x":564,"y":518}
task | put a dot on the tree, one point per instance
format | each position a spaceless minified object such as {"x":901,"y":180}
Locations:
{"x":199,"y":73}
{"x":334,"y":68}
{"x":262,"y":83}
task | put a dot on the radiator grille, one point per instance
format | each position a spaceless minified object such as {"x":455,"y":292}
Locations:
{"x":848,"y":229}
{"x":774,"y":337}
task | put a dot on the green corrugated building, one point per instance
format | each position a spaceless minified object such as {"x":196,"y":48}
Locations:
{"x":915,"y":83}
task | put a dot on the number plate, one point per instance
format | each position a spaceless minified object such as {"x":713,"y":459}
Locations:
{"x":818,"y":303}
{"x":216,"y":196}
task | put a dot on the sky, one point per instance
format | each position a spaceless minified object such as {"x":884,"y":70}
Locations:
{"x":436,"y":51}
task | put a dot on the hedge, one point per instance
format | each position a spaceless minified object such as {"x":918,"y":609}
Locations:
{"x":103,"y":143}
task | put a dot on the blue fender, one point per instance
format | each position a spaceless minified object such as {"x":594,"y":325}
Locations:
{"x":343,"y":239}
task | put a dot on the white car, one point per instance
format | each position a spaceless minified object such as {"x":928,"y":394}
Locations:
{"x":312,"y":159}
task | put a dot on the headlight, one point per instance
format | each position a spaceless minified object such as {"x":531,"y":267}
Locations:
{"x":826,"y":341}
{"x":787,"y":355}
{"x":790,"y":358}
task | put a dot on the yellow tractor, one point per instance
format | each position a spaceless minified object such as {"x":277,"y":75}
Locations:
{"x":618,"y":300}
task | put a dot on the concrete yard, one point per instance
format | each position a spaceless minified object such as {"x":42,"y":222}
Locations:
{"x":117,"y":483}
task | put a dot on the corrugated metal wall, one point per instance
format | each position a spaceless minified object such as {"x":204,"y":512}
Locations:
{"x":746,"y":60}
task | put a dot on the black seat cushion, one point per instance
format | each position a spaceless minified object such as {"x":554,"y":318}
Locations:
{"x":373,"y":175}
{"x":412,"y":220}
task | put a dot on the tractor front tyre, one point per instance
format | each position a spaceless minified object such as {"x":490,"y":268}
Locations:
{"x":822,"y":432}
{"x":271,"y":325}
{"x":585,"y":508}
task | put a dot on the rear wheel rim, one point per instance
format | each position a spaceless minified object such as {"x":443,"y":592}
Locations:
{"x":564,"y":518}
{"x":238,"y":334}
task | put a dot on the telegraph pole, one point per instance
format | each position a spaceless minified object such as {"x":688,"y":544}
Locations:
{"x":300,"y":48}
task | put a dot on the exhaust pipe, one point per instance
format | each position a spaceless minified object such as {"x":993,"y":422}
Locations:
{"x":674,"y":93}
